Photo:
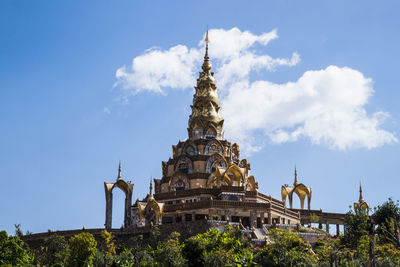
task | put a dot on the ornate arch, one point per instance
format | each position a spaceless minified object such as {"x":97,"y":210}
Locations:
{"x":251,"y":183}
{"x":235,"y":174}
{"x":178,"y":181}
{"x":287,"y":192}
{"x":157,"y":208}
{"x":217,"y":179}
{"x":235,"y":150}
{"x":210,"y":132}
{"x":216,"y":160}
{"x":127,"y":188}
{"x":214,"y":147}
{"x":184,"y":164}
{"x":302,"y":192}
{"x":190,"y":149}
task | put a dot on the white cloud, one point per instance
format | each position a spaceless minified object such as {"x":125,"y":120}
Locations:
{"x":325,"y":106}
{"x":157,"y":69}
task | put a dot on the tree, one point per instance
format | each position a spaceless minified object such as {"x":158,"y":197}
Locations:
{"x":13,"y":251}
{"x":169,"y":252}
{"x":287,"y":249}
{"x":81,"y":250}
{"x":54,"y":251}
{"x":355,"y":225}
{"x":387,"y":217}
{"x":388,"y":255}
{"x":218,"y":248}
{"x":108,"y":247}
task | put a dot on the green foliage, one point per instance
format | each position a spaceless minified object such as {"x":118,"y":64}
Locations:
{"x":387,"y":255}
{"x":13,"y":251}
{"x":387,"y":217}
{"x":169,"y":252}
{"x":81,"y":250}
{"x":288,"y":249}
{"x":108,"y":247}
{"x":216,"y":248}
{"x":53,"y":251}
{"x":355,"y":224}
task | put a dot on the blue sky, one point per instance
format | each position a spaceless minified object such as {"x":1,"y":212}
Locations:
{"x":65,"y":126}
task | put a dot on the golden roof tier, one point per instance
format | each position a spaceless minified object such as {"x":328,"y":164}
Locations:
{"x":361,"y":205}
{"x":299,"y":189}
{"x":205,"y":120}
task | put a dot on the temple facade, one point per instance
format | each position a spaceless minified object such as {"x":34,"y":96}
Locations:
{"x":205,"y":178}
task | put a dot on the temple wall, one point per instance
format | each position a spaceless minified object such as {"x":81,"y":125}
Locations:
{"x":197,"y":183}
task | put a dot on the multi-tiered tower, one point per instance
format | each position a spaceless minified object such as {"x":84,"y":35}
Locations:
{"x":206,"y":178}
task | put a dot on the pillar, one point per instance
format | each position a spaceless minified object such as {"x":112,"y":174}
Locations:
{"x":327,"y":226}
{"x":269,"y":217}
{"x":262,"y":218}
{"x":128,"y":209}
{"x":253,"y":218}
{"x":337,"y":230}
{"x":109,"y":199}
{"x":228,"y":215}
{"x":320,"y":225}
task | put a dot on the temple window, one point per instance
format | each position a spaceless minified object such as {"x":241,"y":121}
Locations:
{"x":191,"y":150}
{"x":179,"y":182}
{"x":180,"y":185}
{"x":214,"y":162}
{"x":197,"y":133}
{"x":211,"y":133}
{"x":213,"y":147}
{"x":184,"y":165}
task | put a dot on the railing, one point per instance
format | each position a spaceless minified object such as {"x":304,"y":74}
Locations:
{"x":215,"y":204}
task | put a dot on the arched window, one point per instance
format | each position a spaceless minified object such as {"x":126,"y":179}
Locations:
{"x":191,"y":150}
{"x":179,"y":185}
{"x":211,"y":133}
{"x":179,"y":181}
{"x":213,"y":148}
{"x":184,"y":165}
{"x":197,"y":133}
{"x":214,"y":162}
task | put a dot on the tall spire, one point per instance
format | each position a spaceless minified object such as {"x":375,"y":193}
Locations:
{"x":151,"y":187}
{"x":206,"y":120}
{"x":119,"y":171}
{"x":206,"y":64}
{"x":295,"y":176}
{"x":361,"y":199}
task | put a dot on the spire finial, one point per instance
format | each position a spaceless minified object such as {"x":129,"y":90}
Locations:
{"x":151,"y":187}
{"x":361,"y":199}
{"x":206,"y":64}
{"x":295,"y":175}
{"x":119,"y":171}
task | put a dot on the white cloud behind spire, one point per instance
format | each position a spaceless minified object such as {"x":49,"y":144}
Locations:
{"x":326,"y":106}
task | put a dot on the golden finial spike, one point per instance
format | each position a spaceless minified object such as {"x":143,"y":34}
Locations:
{"x":361,"y":196}
{"x":119,"y":170}
{"x":206,"y":64}
{"x":151,"y":185}
{"x":295,"y":175}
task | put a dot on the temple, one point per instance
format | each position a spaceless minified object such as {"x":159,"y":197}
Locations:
{"x":206,"y":179}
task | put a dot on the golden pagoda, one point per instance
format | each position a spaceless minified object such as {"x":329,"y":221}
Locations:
{"x":205,"y":178}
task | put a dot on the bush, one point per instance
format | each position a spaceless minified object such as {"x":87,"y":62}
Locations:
{"x":13,"y":251}
{"x":81,"y":250}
